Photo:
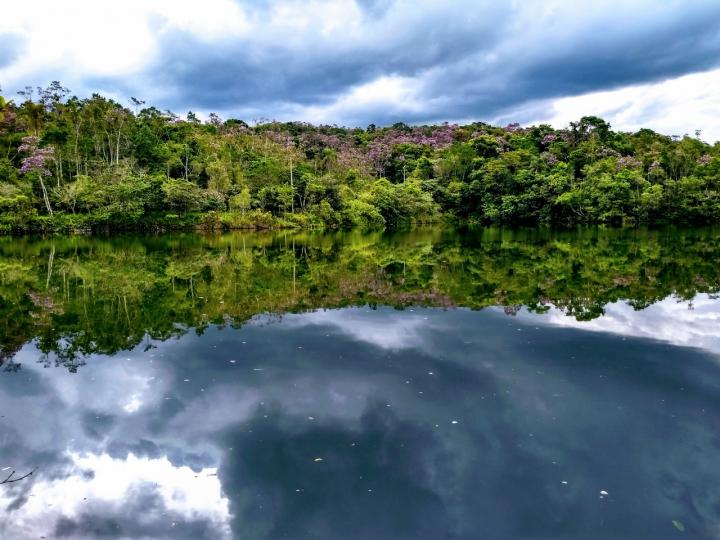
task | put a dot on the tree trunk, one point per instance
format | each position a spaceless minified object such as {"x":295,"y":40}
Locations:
{"x":117,"y":148}
{"x":292,"y":188}
{"x":45,"y":195}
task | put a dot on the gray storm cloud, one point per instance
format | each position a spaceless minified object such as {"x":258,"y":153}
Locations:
{"x":457,"y":60}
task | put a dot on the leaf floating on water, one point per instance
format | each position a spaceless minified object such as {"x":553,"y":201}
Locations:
{"x":678,"y":525}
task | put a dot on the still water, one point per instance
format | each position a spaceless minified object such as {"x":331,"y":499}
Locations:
{"x":430,"y":384}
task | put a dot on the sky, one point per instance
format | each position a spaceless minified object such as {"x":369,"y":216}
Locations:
{"x":636,"y":63}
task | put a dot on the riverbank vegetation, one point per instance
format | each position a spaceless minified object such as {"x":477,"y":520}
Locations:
{"x":70,"y":164}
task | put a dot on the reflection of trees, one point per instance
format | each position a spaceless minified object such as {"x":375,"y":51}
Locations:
{"x":79,"y":296}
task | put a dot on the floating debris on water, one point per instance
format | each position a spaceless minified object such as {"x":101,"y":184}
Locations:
{"x":678,"y":525}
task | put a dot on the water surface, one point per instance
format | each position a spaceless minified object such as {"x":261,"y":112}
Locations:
{"x":427,"y":384}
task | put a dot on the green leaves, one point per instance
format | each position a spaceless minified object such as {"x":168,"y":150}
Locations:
{"x":585,"y":174}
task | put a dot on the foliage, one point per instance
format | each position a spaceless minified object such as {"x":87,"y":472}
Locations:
{"x":121,"y":168}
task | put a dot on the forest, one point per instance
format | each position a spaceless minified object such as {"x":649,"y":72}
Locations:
{"x":81,"y":165}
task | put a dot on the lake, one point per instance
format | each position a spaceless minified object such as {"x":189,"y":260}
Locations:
{"x":425,"y":384}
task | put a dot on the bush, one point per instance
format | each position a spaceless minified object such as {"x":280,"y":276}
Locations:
{"x":255,"y":219}
{"x":363,"y":215}
{"x":183,"y":196}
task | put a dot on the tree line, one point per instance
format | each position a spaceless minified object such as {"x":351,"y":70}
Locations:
{"x":95,"y":164}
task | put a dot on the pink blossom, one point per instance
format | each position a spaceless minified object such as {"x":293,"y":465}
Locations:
{"x":705,"y":159}
{"x":550,"y":159}
{"x":37,"y":158}
{"x":628,"y":162}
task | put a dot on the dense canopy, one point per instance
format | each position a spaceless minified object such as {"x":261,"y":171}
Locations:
{"x":94,"y":164}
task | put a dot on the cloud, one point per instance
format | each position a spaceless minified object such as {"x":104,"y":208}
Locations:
{"x":400,"y":333}
{"x":375,"y":8}
{"x":674,"y":107}
{"x":311,"y":53}
{"x":379,"y":470}
{"x":125,"y":498}
{"x":356,"y":62}
{"x":10,"y":46}
{"x":675,"y":321}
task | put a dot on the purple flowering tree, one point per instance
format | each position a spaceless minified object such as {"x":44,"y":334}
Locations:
{"x":704,"y":159}
{"x":628,"y":162}
{"x":35,"y":164}
{"x":549,"y":138}
{"x":380,"y":149}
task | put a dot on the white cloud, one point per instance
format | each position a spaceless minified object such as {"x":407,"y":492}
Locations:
{"x":673,"y":107}
{"x":403,"y":331}
{"x":74,"y":39}
{"x":689,"y":324}
{"x":387,"y":92}
{"x":184,"y":494}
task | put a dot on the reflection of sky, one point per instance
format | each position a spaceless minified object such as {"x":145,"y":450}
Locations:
{"x":372,"y":424}
{"x":399,"y":333}
{"x":125,"y":497}
{"x":679,"y":322}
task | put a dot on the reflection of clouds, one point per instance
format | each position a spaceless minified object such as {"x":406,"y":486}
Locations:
{"x":380,"y":417}
{"x":129,"y":381}
{"x":215,"y":409}
{"x":693,"y":324}
{"x":179,"y":496}
{"x":403,"y":331}
{"x":373,"y":481}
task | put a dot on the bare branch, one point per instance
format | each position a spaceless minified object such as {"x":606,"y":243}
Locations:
{"x":8,"y":481}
